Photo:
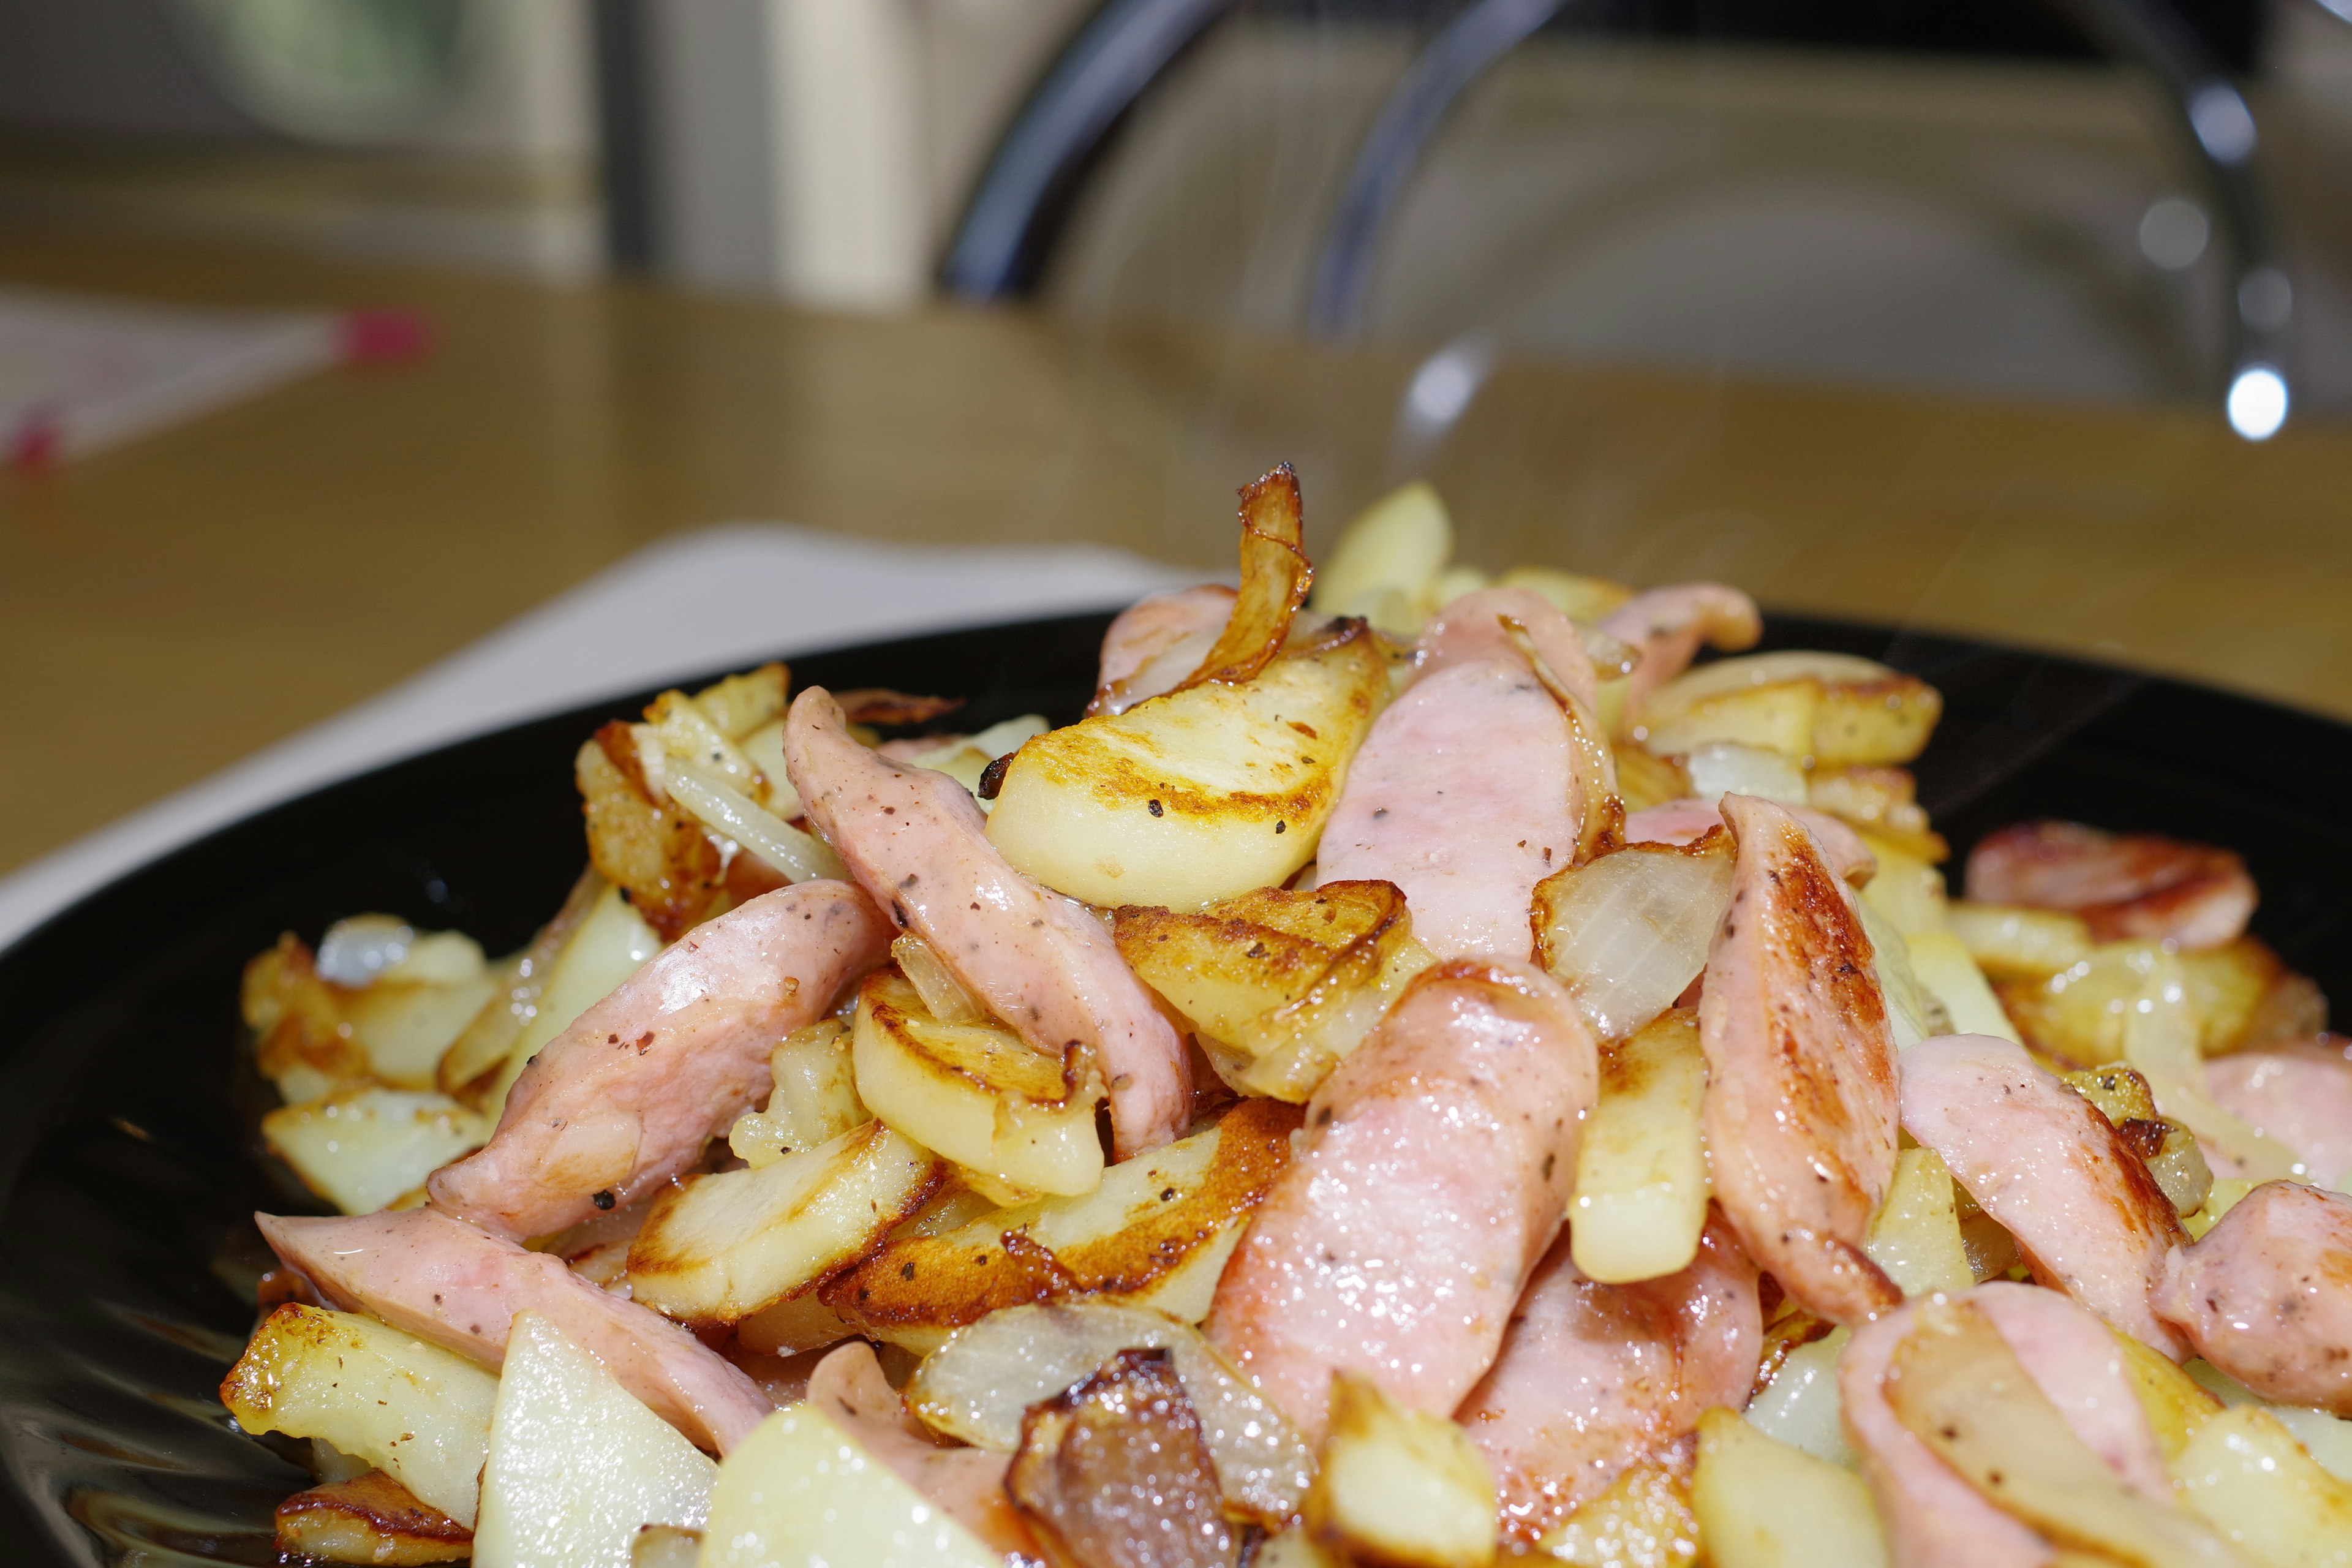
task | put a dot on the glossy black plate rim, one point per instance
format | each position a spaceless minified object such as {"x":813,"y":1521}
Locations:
{"x":114,"y":1179}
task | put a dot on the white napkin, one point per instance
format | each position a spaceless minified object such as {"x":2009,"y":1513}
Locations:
{"x":725,"y":597}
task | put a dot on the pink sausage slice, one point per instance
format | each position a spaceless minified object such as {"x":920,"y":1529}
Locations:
{"x":1801,"y":1098}
{"x":1688,"y":820}
{"x":1156,"y":642}
{"x":627,"y":1097}
{"x":1593,"y":1377}
{"x":2040,"y":1158}
{"x":1477,"y":627}
{"x":916,"y":840}
{"x":1668,"y":625}
{"x":2300,"y":1093}
{"x":1435,"y":1171}
{"x":2266,"y":1295}
{"x":1466,"y":795}
{"x":443,"y":1281}
{"x":2127,"y":885}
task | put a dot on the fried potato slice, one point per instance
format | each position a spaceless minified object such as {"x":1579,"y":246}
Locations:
{"x":1641,"y":1168}
{"x":1198,"y":794}
{"x":1642,"y":1521}
{"x":1881,"y":801}
{"x":1282,"y":984}
{"x":802,"y":1489}
{"x":2246,"y":1475}
{"x":1763,"y":1504}
{"x":414,"y":1411}
{"x":1831,"y":710}
{"x":1956,"y":1386}
{"x":719,"y":1248}
{"x":1274,"y":580}
{"x":642,"y":842}
{"x":742,"y":703}
{"x":1156,"y":1232}
{"x":363,"y":1149}
{"x":316,"y":1031}
{"x":1385,"y":563}
{"x":369,"y":1519}
{"x":1113,"y":1469}
{"x":1916,"y":1236}
{"x":815,"y":1097}
{"x":1399,"y":1486}
{"x":977,"y":1386}
{"x":978,"y":1093}
{"x":2079,"y":1012}
{"x":1645,"y":780}
{"x":2176,"y":1406}
{"x":2011,"y":941}
{"x":576,"y":1464}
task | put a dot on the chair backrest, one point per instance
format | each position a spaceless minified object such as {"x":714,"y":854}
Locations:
{"x":1008,"y":230}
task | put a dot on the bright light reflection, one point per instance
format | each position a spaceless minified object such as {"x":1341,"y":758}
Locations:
{"x":1445,"y":382}
{"x":2257,"y":402}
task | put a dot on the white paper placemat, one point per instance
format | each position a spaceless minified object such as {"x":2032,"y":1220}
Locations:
{"x":725,"y":596}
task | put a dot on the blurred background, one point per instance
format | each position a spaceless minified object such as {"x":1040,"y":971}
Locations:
{"x":2029,"y":317}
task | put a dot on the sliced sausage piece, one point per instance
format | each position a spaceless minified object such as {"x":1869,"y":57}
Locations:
{"x":1593,"y":1377}
{"x":1800,"y":1097}
{"x":629,"y":1096}
{"x":1156,"y":642}
{"x":1435,"y":1171}
{"x":2127,"y":885}
{"x":443,"y":1281}
{"x":916,"y":840}
{"x":1465,"y":795}
{"x":1478,"y":626}
{"x":2299,"y":1093}
{"x":2266,"y":1295}
{"x":1668,"y":625}
{"x":1688,"y":821}
{"x":2041,"y":1161}
{"x":968,"y":1483}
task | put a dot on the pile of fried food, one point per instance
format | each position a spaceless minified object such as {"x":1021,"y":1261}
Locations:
{"x":1432,"y":1077}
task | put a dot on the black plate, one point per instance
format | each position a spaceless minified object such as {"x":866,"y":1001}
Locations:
{"x":127,"y":1173}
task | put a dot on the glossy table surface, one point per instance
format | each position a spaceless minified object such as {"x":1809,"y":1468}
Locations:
{"x":173,"y":604}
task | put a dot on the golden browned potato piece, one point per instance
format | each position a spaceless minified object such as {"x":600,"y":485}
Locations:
{"x":1399,"y":1486}
{"x":1280,"y":983}
{"x":1833,"y":708}
{"x":370,"y":1518}
{"x":722,"y":1247}
{"x":659,"y":854}
{"x":1153,"y":1222}
{"x":1197,"y":795}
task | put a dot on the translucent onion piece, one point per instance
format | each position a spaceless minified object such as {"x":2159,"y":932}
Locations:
{"x":2160,"y":1040}
{"x":978,"y":1386}
{"x":799,"y":856}
{"x":1628,"y":932}
{"x":942,"y":993}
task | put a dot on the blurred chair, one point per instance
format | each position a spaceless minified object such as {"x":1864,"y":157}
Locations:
{"x":1024,"y":199}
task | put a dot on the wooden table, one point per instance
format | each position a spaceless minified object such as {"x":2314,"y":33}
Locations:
{"x":170,"y":607}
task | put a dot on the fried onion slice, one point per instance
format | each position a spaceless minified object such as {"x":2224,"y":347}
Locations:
{"x":1274,"y":580}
